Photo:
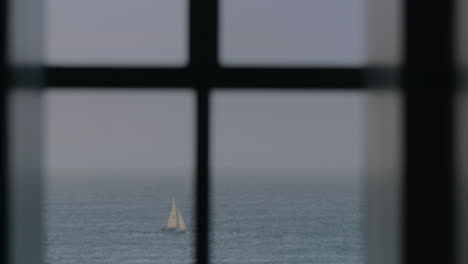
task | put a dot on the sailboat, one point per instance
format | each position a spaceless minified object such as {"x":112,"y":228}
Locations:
{"x":175,"y":223}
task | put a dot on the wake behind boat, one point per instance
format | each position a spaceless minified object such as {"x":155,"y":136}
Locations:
{"x":175,"y":223}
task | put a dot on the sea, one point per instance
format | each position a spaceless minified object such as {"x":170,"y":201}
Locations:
{"x":256,"y":217}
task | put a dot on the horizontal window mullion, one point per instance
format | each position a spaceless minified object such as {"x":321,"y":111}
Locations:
{"x":232,"y":78}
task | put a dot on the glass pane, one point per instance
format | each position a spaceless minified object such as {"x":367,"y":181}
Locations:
{"x":294,"y":32}
{"x":384,"y":171}
{"x":114,"y":163}
{"x":138,"y":32}
{"x":288,"y":177}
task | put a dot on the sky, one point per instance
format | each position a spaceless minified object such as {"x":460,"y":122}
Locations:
{"x":154,"y":32}
{"x":134,"y":130}
{"x":147,"y":131}
{"x":318,"y":131}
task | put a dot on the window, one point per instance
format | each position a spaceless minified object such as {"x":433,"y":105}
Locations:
{"x":144,"y":33}
{"x":288,"y":177}
{"x":113,"y":162}
{"x":412,"y":56}
{"x":323,"y":33}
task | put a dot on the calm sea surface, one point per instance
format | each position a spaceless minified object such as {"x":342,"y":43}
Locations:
{"x":257,"y":218}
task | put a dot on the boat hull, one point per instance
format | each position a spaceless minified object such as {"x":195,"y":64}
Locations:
{"x":172,"y":230}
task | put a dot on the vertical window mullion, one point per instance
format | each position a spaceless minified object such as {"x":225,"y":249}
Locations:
{"x":203,"y":64}
{"x":428,"y":90}
{"x":202,"y":175}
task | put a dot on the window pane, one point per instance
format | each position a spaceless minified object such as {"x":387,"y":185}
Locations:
{"x":294,"y":32}
{"x":288,"y":177}
{"x":138,"y":32}
{"x":114,"y":162}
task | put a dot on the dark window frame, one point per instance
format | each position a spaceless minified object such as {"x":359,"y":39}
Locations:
{"x":203,"y":74}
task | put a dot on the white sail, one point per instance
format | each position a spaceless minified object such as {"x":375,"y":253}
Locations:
{"x":181,"y":224}
{"x":172,"y":221}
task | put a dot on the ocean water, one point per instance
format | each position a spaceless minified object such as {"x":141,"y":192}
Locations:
{"x":256,"y":218}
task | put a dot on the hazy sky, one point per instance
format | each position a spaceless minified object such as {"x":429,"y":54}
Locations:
{"x":283,"y":130}
{"x":145,"y":131}
{"x":118,"y":130}
{"x":253,"y":31}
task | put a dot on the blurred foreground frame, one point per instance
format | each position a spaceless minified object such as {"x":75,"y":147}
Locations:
{"x":412,"y":147}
